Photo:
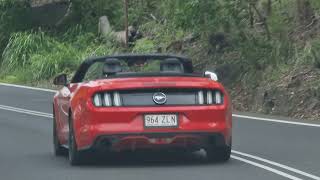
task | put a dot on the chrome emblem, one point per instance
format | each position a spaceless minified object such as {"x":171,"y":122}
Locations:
{"x":159,"y":98}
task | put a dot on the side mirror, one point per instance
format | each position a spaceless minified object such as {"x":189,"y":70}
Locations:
{"x":60,"y":80}
{"x":213,"y":76}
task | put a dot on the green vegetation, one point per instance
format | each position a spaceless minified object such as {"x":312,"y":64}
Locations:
{"x":40,"y":56}
{"x":254,"y":42}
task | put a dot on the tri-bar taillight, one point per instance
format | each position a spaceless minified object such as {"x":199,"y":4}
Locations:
{"x":106,"y":99}
{"x":210,"y":97}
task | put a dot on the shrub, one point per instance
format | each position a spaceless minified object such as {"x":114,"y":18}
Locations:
{"x":21,"y":45}
{"x":63,"y":58}
{"x":144,"y":46}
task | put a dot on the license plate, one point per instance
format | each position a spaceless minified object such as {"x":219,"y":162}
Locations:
{"x":161,"y":120}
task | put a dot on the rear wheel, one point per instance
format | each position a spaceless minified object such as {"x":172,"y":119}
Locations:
{"x":57,"y":148}
{"x":75,"y":156}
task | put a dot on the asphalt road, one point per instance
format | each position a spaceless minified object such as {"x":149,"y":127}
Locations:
{"x":262,"y":150}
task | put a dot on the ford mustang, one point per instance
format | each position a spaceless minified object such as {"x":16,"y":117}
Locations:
{"x":141,"y":102}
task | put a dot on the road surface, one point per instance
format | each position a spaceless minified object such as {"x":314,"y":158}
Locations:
{"x":264,"y":149}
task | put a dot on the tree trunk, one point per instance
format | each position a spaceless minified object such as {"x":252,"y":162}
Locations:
{"x":126,"y":17}
{"x":269,"y":8}
{"x":304,"y":12}
{"x":263,"y":21}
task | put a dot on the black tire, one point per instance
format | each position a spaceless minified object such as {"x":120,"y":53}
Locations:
{"x":57,"y":148}
{"x":218,"y":154}
{"x":75,"y":156}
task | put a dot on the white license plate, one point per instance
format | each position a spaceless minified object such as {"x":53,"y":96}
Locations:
{"x":160,"y":120}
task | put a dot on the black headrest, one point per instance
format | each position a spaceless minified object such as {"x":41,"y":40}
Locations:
{"x":172,"y":65}
{"x":112,"y":66}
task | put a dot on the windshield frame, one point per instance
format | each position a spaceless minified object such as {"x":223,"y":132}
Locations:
{"x":187,"y":64}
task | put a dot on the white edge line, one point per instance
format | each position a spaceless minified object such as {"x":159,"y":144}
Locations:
{"x":34,"y":113}
{"x":27,"y":87}
{"x":276,"y":120}
{"x":23,"y":110}
{"x":234,"y":115}
{"x":277,"y":164}
{"x":266,"y":168}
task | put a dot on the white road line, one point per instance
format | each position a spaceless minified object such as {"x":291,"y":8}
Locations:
{"x":234,"y":115}
{"x":27,"y":87}
{"x":25,"y":111}
{"x":276,"y":120}
{"x":281,"y":173}
{"x":277,"y":164}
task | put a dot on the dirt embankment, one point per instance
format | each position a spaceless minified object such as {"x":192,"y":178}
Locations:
{"x":295,"y":94}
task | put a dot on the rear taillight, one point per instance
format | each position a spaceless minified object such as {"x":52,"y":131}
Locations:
{"x":102,"y":99}
{"x":214,"y":97}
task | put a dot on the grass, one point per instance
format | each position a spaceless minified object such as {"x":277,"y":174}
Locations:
{"x":35,"y":56}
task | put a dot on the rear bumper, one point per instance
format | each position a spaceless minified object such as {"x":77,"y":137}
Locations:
{"x":122,"y":128}
{"x":181,"y":140}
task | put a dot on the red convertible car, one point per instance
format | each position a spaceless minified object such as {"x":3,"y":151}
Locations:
{"x":140,"y":102}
